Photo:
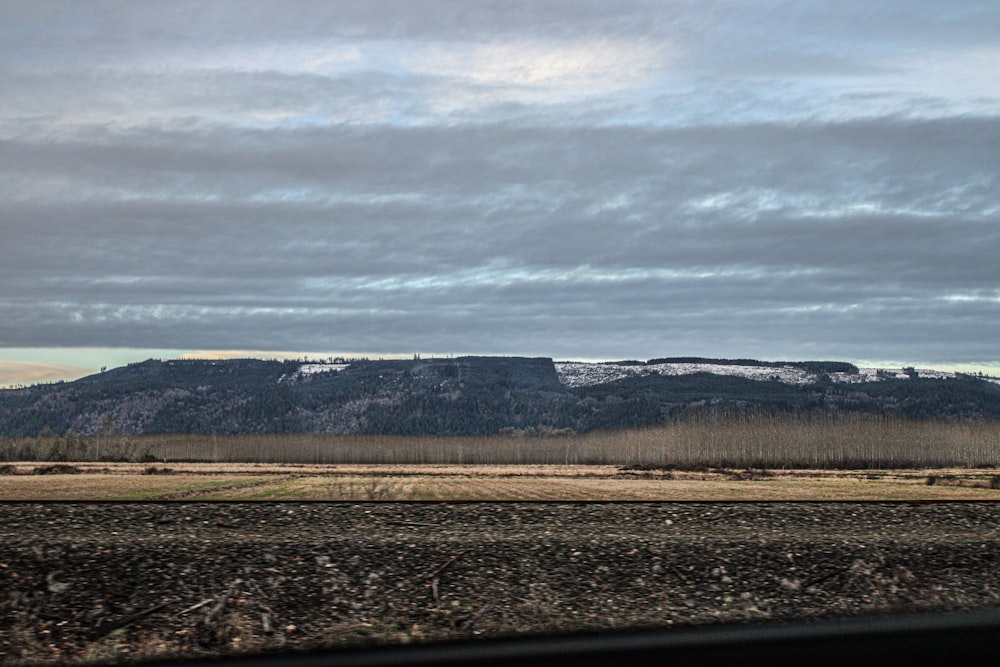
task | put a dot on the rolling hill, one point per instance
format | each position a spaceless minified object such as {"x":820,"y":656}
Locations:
{"x":471,"y":395}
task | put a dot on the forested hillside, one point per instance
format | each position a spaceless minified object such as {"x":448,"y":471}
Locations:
{"x":467,"y":395}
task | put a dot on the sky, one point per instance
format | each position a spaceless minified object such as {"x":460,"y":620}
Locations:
{"x":569,"y":179}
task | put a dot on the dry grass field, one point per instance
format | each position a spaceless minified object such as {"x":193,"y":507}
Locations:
{"x":34,"y":481}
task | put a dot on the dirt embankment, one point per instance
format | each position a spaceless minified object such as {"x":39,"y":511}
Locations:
{"x":107,"y":582}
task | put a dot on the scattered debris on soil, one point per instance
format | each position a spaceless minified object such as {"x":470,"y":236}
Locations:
{"x":103,"y":582}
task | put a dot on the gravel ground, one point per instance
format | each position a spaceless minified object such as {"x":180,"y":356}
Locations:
{"x":120,"y":582}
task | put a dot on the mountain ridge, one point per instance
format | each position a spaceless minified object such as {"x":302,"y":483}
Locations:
{"x":472,"y":395}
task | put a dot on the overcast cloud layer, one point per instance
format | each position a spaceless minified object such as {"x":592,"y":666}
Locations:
{"x":567,"y":179}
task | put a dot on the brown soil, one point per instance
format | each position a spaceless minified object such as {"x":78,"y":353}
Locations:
{"x":114,"y":582}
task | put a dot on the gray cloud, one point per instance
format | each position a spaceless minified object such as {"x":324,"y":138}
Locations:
{"x":776,"y":184}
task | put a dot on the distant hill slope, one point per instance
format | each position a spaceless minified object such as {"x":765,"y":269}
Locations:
{"x":470,"y":395}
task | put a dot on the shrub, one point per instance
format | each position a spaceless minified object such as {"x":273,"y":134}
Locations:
{"x":57,"y":469}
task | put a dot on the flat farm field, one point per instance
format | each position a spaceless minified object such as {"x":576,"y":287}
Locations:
{"x":113,"y":583}
{"x":31,"y":481}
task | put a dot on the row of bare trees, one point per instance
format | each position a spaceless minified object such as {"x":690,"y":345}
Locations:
{"x":106,"y":445}
{"x":829,"y":441}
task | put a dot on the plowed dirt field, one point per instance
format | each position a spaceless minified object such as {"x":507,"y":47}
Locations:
{"x":107,"y":582}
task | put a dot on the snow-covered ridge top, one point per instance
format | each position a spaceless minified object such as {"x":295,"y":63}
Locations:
{"x":578,"y":374}
{"x":311,"y":369}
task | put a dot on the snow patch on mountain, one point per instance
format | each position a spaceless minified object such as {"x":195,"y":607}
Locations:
{"x":311,"y":369}
{"x":580,"y":374}
{"x":573,"y":374}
